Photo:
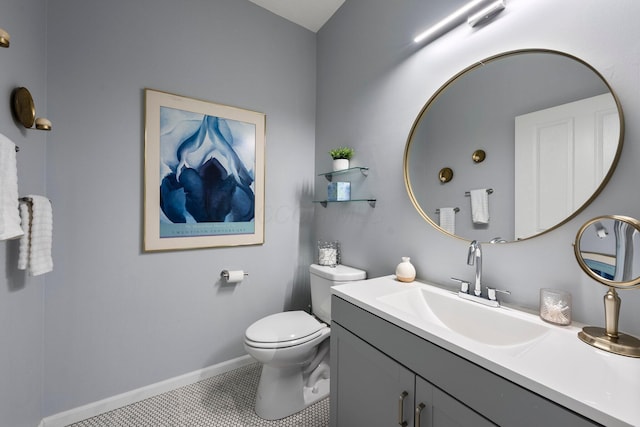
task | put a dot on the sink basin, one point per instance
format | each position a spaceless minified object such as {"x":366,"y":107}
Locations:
{"x":547,"y":359}
{"x":488,"y":325}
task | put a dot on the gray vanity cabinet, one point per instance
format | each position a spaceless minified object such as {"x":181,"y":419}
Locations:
{"x":380,"y":374}
{"x":375,"y":390}
{"x":371,"y":385}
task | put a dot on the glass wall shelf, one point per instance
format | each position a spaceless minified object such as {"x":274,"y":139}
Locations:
{"x":372,"y":202}
{"x":329,"y":175}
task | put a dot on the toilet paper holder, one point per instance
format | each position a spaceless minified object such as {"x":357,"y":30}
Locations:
{"x":225,"y":274}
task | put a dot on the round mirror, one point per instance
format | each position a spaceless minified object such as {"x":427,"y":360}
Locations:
{"x":550,"y":131}
{"x":607,"y":249}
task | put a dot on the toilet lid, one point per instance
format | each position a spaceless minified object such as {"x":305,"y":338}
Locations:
{"x":282,"y":327}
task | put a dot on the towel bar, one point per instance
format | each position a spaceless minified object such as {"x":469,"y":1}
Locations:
{"x":489,"y":191}
{"x":456,"y":210}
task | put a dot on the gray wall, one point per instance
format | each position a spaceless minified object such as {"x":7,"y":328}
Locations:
{"x":116,"y":318}
{"x":111,"y":318}
{"x":372,"y":83}
{"x":21,"y":297}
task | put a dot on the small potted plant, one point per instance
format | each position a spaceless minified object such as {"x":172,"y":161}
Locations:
{"x":341,"y":157}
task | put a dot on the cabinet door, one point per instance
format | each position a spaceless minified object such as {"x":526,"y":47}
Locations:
{"x":435,"y":408}
{"x":367,"y":387}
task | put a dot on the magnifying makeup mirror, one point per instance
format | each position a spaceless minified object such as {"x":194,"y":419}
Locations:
{"x":608,"y":250}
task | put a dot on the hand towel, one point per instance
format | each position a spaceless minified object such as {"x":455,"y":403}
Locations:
{"x":479,"y":206}
{"x":23,"y":248}
{"x":448,"y":220}
{"x":9,"y":216}
{"x":40,"y":233}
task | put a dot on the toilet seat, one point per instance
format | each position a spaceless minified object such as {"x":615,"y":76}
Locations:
{"x":286,"y":329}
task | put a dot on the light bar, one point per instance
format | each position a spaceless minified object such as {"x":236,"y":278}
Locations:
{"x":453,"y":20}
{"x":487,"y":13}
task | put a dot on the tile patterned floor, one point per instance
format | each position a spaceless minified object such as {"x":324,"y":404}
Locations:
{"x":225,"y":400}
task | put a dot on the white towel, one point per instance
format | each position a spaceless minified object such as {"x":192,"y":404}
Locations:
{"x":9,"y":216}
{"x":38,"y":226}
{"x":23,"y":248}
{"x":479,"y":206}
{"x":448,"y":220}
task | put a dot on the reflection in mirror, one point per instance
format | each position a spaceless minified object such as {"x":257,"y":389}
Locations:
{"x":605,"y":248}
{"x":553,"y":129}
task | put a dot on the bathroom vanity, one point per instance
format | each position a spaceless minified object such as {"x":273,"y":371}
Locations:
{"x":417,"y":355}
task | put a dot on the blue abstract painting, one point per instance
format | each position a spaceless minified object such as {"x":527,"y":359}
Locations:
{"x":207,"y":174}
{"x":204,"y":174}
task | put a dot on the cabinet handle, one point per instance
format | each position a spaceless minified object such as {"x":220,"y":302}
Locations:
{"x":401,"y":409}
{"x":419,"y":409}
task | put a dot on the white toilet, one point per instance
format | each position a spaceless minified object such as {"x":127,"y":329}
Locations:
{"x":294,"y":349}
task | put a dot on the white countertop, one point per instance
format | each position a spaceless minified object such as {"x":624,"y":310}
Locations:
{"x":602,"y":386}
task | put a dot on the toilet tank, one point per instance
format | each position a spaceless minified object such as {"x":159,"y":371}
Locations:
{"x":323,"y":277}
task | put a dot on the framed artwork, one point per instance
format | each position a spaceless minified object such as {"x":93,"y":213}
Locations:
{"x":204,"y":174}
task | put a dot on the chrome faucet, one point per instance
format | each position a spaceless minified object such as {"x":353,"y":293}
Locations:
{"x":475,"y":257}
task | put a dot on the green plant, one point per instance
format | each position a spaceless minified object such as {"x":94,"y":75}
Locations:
{"x":342,"y":153}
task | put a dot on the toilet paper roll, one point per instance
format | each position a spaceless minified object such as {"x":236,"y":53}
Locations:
{"x":235,"y":276}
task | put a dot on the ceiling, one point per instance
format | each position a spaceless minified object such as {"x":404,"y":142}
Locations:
{"x":311,"y":14}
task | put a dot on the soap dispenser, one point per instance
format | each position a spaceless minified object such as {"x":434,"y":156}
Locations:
{"x":405,"y":271}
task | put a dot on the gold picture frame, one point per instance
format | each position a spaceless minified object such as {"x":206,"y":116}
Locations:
{"x":204,"y":174}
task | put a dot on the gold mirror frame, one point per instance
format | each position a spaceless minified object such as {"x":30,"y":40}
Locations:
{"x":608,"y":338}
{"x":480,"y":64}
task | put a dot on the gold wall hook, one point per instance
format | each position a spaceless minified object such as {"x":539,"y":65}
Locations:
{"x":43,"y":124}
{"x":4,"y":38}
{"x":478,"y":156}
{"x":24,"y":110}
{"x":23,"y":107}
{"x":445,"y":175}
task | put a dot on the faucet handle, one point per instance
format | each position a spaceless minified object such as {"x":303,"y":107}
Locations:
{"x":464,"y":285}
{"x":491,"y":293}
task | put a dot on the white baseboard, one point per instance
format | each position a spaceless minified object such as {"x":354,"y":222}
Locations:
{"x":92,"y":409}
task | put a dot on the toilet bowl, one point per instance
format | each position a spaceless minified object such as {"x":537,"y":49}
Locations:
{"x":293,"y":347}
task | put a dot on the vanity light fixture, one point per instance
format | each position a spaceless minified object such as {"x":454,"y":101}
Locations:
{"x":467,"y":11}
{"x":486,"y":13}
{"x":4,"y":38}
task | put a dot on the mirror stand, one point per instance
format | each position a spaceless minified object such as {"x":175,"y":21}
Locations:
{"x":609,"y":338}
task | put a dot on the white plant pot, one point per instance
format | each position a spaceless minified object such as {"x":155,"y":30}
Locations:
{"x":340,"y":164}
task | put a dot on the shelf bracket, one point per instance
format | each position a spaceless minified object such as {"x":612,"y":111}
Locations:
{"x":324,"y":203}
{"x":372,"y":203}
